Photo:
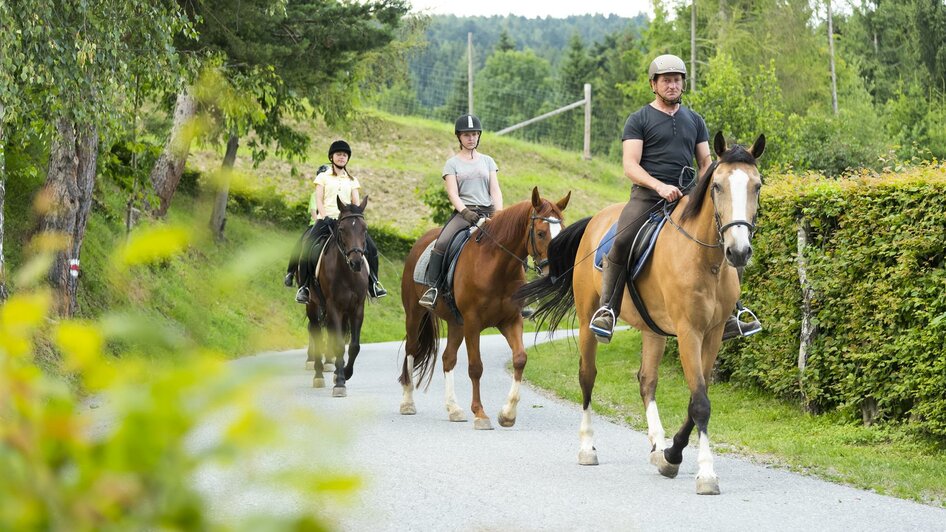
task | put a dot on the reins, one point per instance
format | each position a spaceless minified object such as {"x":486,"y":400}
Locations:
{"x":537,"y":264}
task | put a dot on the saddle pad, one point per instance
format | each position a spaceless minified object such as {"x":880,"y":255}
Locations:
{"x":641,"y":248}
{"x":420,"y":269}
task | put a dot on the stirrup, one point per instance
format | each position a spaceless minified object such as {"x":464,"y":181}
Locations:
{"x":736,"y":328}
{"x":302,"y":295}
{"x":429,"y":299}
{"x":602,"y":334}
{"x":376,"y":290}
{"x":288,"y":280}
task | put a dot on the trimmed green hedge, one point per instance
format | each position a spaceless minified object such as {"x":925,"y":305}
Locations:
{"x":875,"y":260}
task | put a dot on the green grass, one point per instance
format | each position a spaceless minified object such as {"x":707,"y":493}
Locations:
{"x":749,"y":423}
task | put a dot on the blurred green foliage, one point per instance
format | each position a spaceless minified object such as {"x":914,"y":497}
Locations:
{"x":132,"y":462}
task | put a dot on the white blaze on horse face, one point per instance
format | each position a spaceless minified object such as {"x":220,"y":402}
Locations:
{"x":739,"y":191}
{"x":554,"y":229}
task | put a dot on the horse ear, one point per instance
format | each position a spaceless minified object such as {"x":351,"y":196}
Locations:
{"x":363,"y":204}
{"x":758,"y":146}
{"x":719,"y":143}
{"x":564,"y":201}
{"x":536,"y":199}
{"x":338,"y":201}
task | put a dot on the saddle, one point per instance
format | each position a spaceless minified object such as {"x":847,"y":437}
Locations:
{"x":445,"y":286}
{"x":641,"y":251}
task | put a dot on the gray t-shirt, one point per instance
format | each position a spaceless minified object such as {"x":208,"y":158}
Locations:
{"x":472,"y":178}
{"x":669,"y":141}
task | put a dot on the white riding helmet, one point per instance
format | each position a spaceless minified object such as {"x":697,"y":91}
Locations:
{"x":666,"y":64}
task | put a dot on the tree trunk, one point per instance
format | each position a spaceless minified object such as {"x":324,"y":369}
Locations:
{"x":3,"y":195}
{"x":834,"y":80}
{"x":218,"y":220}
{"x":70,"y":180}
{"x":808,"y":327}
{"x":167,"y":171}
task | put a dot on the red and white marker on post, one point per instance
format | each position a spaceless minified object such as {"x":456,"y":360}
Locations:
{"x":74,"y":267}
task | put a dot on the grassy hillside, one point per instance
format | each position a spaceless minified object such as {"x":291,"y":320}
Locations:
{"x":395,"y":157}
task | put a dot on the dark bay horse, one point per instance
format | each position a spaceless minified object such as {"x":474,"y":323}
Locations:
{"x":339,"y":310}
{"x":689,"y":287}
{"x":489,"y":270}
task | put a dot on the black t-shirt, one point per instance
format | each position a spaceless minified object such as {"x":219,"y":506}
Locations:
{"x":669,"y":141}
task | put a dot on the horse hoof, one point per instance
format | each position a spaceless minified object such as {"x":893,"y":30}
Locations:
{"x":707,"y":486}
{"x":588,"y":457}
{"x":408,"y":409}
{"x":505,"y":421}
{"x":339,"y":391}
{"x":457,"y":416}
{"x":318,"y":382}
{"x":663,"y":466}
{"x":309,"y":365}
{"x":482,"y":423}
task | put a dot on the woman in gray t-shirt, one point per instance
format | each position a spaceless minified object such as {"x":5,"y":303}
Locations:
{"x":473,"y":190}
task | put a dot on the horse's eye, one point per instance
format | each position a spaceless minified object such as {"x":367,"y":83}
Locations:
{"x":758,"y":188}
{"x":541,"y":234}
{"x":716,"y":187}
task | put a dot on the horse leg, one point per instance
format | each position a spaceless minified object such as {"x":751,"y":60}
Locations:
{"x":407,"y":375}
{"x":652,"y":351}
{"x":316,"y":348}
{"x":472,"y":335}
{"x":454,"y":339}
{"x":354,"y":345}
{"x":587,"y":372}
{"x":698,"y":414}
{"x":413,"y":316}
{"x":707,"y":483}
{"x":336,"y":347}
{"x":513,"y":335}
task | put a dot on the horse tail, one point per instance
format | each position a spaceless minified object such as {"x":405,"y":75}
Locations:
{"x":425,"y":355}
{"x":553,"y":292}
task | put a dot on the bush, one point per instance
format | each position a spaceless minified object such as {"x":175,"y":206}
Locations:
{"x":875,"y":261}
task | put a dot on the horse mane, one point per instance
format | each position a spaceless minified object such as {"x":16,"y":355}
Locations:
{"x":734,"y":155}
{"x":510,"y":223}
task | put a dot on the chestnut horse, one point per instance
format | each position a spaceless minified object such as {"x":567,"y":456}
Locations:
{"x":339,"y":310}
{"x":689,"y":287}
{"x":488,"y":271}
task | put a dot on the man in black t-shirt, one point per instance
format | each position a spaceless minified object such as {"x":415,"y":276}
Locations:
{"x":660,"y":142}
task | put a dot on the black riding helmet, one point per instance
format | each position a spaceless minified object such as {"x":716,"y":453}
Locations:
{"x":467,"y":123}
{"x":339,"y":146}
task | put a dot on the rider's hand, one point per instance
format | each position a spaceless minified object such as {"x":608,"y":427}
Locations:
{"x":669,"y":192}
{"x":469,"y":215}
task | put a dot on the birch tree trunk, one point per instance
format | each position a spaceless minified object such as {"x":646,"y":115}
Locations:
{"x":808,"y":327}
{"x":218,"y":220}
{"x":3,"y":195}
{"x":70,"y":180}
{"x":167,"y":171}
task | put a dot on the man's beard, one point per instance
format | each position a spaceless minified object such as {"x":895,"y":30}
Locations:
{"x":674,"y":101}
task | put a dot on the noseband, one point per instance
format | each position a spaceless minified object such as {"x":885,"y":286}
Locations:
{"x":338,"y":244}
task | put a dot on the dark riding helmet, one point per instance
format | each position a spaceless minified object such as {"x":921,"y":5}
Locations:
{"x":339,"y":146}
{"x":468,"y":123}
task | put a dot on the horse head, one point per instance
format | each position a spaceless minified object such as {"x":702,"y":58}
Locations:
{"x":545,"y":224}
{"x":351,"y":233}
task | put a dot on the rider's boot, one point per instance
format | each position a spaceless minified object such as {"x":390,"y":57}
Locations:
{"x":429,"y":299}
{"x":375,"y":288}
{"x":302,"y":296}
{"x":602,"y":322}
{"x":736,"y":327}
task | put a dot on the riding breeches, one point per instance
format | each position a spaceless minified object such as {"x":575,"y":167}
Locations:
{"x":454,"y":225}
{"x":642,"y":203}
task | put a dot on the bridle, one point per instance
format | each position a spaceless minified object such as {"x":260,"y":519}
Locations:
{"x":537,"y":264}
{"x":720,"y":227}
{"x":345,"y":253}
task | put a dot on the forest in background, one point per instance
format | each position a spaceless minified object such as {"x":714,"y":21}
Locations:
{"x":762,"y":67}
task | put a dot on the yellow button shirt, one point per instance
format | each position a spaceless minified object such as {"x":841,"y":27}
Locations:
{"x":340,"y":186}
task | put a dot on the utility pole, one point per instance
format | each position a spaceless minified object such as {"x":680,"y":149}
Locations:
{"x":469,"y":70}
{"x":692,"y":75}
{"x":834,"y":80}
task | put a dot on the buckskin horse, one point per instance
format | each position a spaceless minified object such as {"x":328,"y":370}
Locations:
{"x":336,"y":306}
{"x":488,"y":271}
{"x":689,"y":289}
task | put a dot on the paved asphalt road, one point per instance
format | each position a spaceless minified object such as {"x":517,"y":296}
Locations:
{"x":423,"y":472}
